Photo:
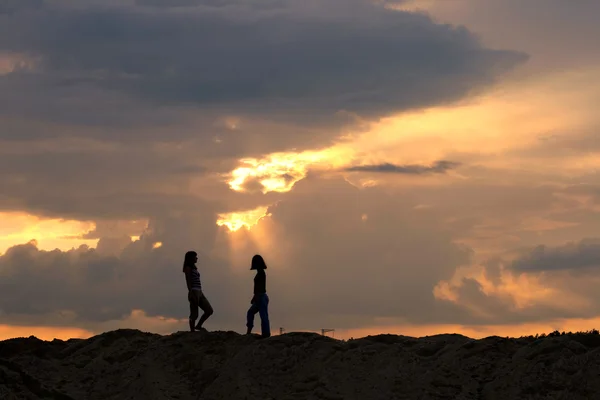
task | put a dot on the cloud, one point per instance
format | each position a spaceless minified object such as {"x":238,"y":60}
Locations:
{"x":485,"y":306}
{"x":521,"y":26}
{"x":286,"y":61}
{"x":317,"y":239}
{"x":134,"y":110}
{"x":584,"y":254}
{"x":253,"y":4}
{"x":540,"y":283}
{"x":11,"y":6}
{"x":125,"y":109}
{"x":314,"y":243}
{"x":439,"y":167}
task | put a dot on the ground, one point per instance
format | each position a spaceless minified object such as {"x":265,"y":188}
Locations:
{"x":129,"y":364}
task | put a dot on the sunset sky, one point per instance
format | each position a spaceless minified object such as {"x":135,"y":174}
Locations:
{"x":410,"y":167}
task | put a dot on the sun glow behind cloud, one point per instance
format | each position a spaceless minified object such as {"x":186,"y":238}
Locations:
{"x":236,"y":220}
{"x":510,"y":119}
{"x":49,"y":233}
{"x":279,"y":172}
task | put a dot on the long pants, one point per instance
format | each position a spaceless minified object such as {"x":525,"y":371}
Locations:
{"x":260,"y":306}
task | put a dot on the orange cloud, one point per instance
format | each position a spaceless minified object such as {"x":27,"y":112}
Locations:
{"x":49,"y":233}
{"x":236,"y":220}
{"x":488,"y":130}
{"x":279,"y":172}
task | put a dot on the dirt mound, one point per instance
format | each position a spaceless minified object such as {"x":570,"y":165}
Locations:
{"x":129,"y":364}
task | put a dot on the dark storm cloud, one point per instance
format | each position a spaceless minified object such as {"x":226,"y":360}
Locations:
{"x":439,"y":167}
{"x":161,"y":80}
{"x":11,"y":6}
{"x":255,"y":4}
{"x":574,"y":256}
{"x":286,"y":60}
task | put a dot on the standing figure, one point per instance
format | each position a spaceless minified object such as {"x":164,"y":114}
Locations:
{"x":195,"y":295}
{"x":260,"y":300}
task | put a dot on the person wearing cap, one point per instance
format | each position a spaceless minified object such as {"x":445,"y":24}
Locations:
{"x":260,"y":300}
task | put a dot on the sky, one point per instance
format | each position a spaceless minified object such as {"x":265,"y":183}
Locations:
{"x":410,"y":167}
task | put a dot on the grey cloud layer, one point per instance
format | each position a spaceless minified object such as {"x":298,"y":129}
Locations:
{"x":572,"y":256}
{"x":288,"y":59}
{"x":439,"y":167}
{"x":143,"y":75}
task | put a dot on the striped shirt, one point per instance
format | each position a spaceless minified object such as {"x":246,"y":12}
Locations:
{"x":195,"y":278}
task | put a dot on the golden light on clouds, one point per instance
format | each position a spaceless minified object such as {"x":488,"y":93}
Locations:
{"x":509,"y":119}
{"x":517,"y":291}
{"x":157,"y":245}
{"x":516,"y":116}
{"x":279,"y":172}
{"x":49,"y":233}
{"x":236,"y":220}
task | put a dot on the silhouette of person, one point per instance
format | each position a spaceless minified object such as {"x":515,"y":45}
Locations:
{"x":195,"y":295}
{"x":260,"y":300}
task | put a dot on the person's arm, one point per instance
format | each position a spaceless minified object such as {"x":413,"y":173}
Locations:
{"x":253,"y":293}
{"x":188,"y":278}
{"x":261,"y":282}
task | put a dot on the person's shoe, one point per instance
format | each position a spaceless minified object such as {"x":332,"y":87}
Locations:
{"x":200,"y":329}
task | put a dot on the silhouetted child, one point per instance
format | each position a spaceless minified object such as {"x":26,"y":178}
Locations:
{"x":195,"y":295}
{"x":260,"y":300}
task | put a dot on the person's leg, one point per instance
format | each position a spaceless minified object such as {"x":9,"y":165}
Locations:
{"x":193,"y":300}
{"x":250,"y":317}
{"x":206,"y":307}
{"x":264,"y":316}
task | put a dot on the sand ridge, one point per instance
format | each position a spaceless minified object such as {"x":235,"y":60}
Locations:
{"x":130,"y":364}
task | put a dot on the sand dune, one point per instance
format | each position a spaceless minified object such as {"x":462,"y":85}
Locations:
{"x":129,"y":364}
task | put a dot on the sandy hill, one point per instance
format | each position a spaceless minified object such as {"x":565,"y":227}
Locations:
{"x":129,"y":364}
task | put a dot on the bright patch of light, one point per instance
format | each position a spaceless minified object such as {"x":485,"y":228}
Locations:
{"x":236,"y":220}
{"x":157,"y":245}
{"x":49,"y":233}
{"x":279,"y":172}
